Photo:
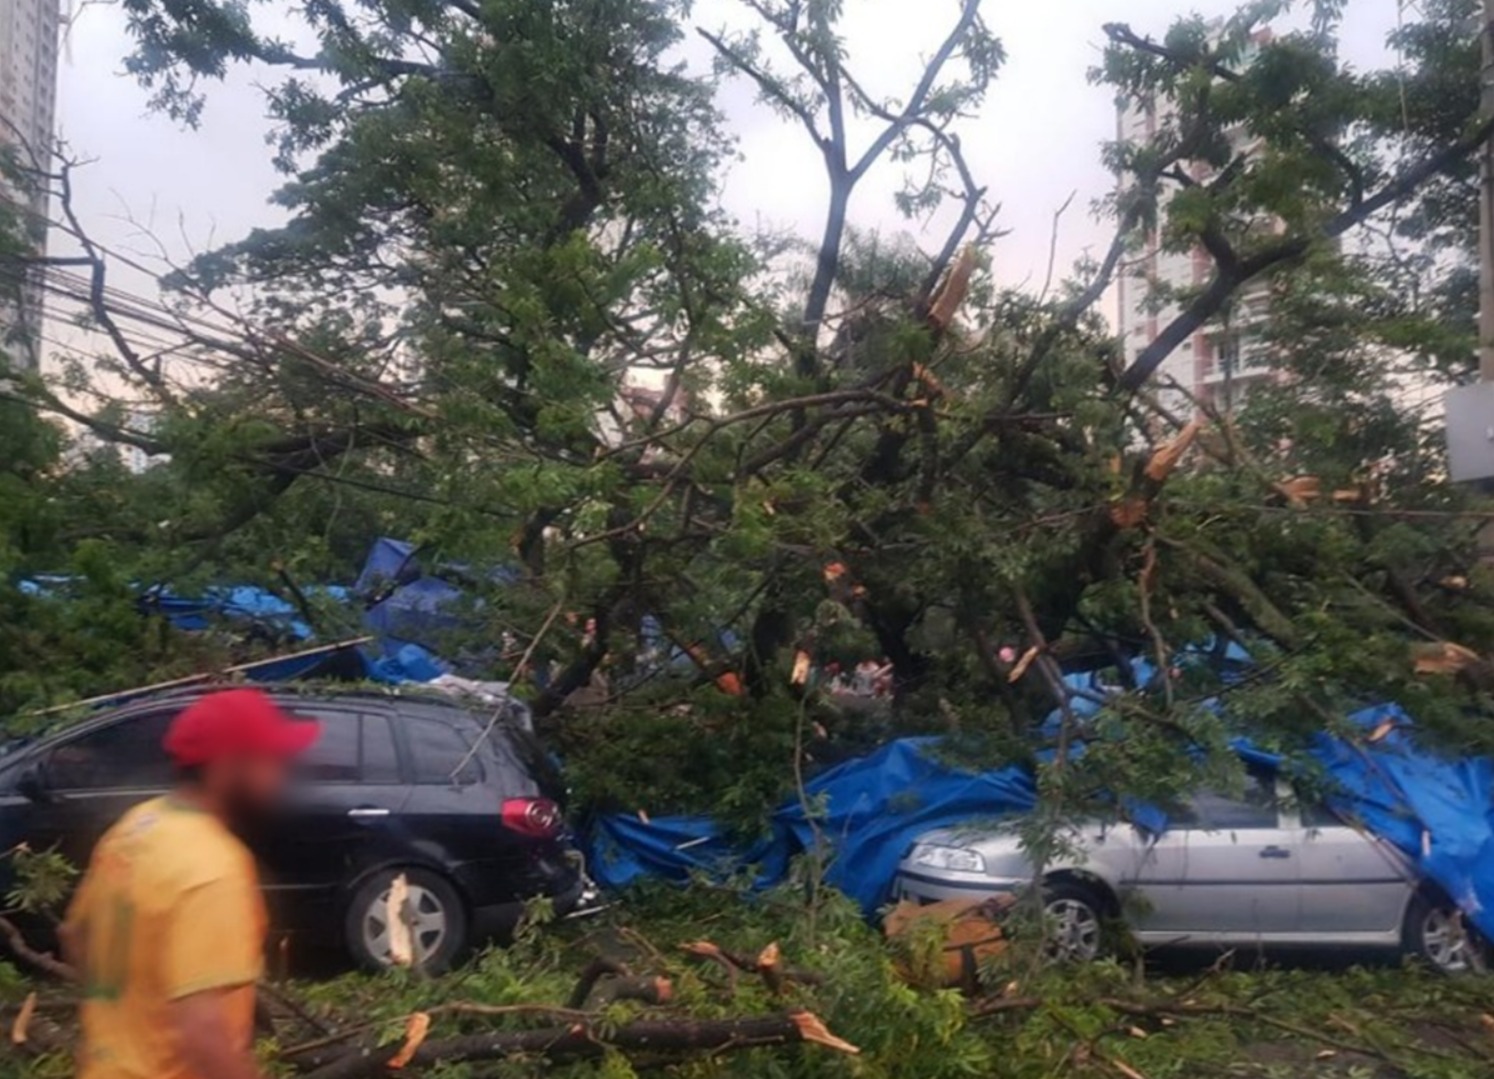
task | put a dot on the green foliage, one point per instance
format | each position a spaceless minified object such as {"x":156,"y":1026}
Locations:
{"x":43,"y":882}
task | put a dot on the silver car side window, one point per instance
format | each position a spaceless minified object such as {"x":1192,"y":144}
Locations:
{"x":1216,"y":812}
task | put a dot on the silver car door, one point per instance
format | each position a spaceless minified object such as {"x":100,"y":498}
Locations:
{"x":1226,"y":870}
{"x":1351,"y":882}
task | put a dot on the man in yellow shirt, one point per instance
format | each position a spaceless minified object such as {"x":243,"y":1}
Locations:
{"x":168,"y":924}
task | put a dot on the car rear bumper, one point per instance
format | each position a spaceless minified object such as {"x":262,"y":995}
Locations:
{"x":497,"y":921}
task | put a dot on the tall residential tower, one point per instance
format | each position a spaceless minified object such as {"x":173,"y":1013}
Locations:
{"x":28,"y":101}
{"x":1221,"y":362}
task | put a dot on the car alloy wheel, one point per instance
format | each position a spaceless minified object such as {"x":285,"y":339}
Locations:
{"x":432,"y":909}
{"x":1073,"y":927}
{"x":424,"y":913}
{"x":1445,"y":942}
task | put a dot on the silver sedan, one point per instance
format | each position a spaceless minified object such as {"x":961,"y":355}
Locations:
{"x":1260,"y":870}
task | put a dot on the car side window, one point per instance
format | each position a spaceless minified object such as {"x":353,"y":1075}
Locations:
{"x":334,"y":756}
{"x":1316,"y":814}
{"x":442,"y":754}
{"x":1215,"y":812}
{"x":380,"y":760}
{"x":126,"y":755}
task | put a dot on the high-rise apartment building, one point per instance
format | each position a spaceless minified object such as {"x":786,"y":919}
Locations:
{"x":1222,"y":361}
{"x":28,"y":100}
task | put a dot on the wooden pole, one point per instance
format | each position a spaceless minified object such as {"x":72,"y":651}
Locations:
{"x":195,"y":679}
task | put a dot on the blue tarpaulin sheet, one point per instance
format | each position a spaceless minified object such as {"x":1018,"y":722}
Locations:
{"x":867,"y":811}
{"x":1438,"y":812}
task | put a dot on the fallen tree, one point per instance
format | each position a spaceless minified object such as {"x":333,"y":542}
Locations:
{"x":507,"y":315}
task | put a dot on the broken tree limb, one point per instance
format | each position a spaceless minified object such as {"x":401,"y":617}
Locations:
{"x":595,"y":971}
{"x":767,"y":964}
{"x":45,"y":962}
{"x":590,"y":1039}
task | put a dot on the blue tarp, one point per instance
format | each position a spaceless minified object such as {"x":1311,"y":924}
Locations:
{"x":873,"y":809}
{"x":239,"y":602}
{"x":409,"y":607}
{"x":1439,"y":813}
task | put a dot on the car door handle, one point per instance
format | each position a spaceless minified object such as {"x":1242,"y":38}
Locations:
{"x":1275,"y":852}
{"x":367,"y":812}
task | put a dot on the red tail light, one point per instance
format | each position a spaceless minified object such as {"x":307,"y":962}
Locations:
{"x":535,"y":817}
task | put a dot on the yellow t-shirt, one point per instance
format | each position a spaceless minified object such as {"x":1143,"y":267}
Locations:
{"x":170,"y":906}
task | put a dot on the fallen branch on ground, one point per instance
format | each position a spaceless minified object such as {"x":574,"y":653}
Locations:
{"x":590,"y":1038}
{"x":45,"y":962}
{"x":768,"y":965}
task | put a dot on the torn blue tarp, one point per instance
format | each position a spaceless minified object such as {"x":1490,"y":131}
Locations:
{"x":390,"y":563}
{"x":244,"y":603}
{"x":867,"y":811}
{"x":407,"y":604}
{"x":1438,"y":812}
{"x":420,"y":612}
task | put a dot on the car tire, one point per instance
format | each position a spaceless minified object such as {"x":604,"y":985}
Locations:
{"x":1437,"y":933}
{"x":439,"y":926}
{"x":1074,"y":921}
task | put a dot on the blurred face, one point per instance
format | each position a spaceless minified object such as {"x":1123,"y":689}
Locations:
{"x":247,"y":789}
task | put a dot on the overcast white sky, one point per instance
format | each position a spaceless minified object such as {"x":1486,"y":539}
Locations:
{"x":1036,"y":142}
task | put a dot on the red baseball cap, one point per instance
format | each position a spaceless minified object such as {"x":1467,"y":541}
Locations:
{"x":236,"y":723}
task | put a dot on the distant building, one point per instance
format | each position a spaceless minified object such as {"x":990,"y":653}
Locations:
{"x":1219,"y":364}
{"x":28,"y":101}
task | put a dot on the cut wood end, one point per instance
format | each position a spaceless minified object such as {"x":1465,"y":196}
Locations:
{"x":812,"y":1029}
{"x":770,"y":957}
{"x":703,"y":948}
{"x":927,"y":377}
{"x":951,"y":294}
{"x":1300,"y":490}
{"x":20,"y":1028}
{"x":1166,"y":459}
{"x":663,"y":990}
{"x":1128,"y":513}
{"x":401,"y":940}
{"x":1022,"y":664}
{"x":416,"y":1028}
{"x":1444,"y":657}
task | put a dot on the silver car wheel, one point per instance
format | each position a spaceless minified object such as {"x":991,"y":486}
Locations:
{"x":1444,"y":941}
{"x":1073,"y":930}
{"x":425,"y":914}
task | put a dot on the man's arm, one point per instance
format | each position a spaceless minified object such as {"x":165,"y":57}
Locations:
{"x":207,"y":1040}
{"x":72,"y":938}
{"x":72,"y":934}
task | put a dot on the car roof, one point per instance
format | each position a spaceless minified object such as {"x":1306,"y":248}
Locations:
{"x":404,"y":700}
